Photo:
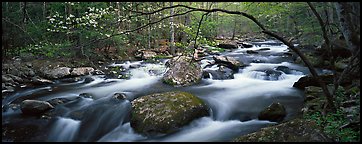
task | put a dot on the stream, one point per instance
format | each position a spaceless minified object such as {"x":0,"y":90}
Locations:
{"x":235,"y":103}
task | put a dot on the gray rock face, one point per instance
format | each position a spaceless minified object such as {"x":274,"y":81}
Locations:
{"x":35,"y":107}
{"x":82,"y":71}
{"x":57,"y":73}
{"x":165,"y":112}
{"x":182,"y":71}
{"x":275,"y":112}
{"x":228,"y":61}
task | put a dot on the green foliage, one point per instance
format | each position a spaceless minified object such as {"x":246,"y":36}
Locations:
{"x":331,"y":124}
{"x":50,"y":50}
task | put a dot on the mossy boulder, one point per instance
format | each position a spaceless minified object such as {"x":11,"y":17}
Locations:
{"x":297,"y":130}
{"x":275,"y":113}
{"x":183,"y":71}
{"x":164,"y":113}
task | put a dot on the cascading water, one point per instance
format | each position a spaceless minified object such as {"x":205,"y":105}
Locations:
{"x":235,"y":103}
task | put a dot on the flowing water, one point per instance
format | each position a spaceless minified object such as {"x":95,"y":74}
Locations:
{"x":235,"y":103}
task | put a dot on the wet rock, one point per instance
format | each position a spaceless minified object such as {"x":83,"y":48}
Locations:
{"x":297,"y":130}
{"x":40,"y":81}
{"x":119,"y":96}
{"x":57,"y":101}
{"x":165,"y":112}
{"x":227,"y":46}
{"x":263,"y":49}
{"x":228,"y":61}
{"x":220,"y":74}
{"x":70,"y":80}
{"x":251,"y":52}
{"x":246,"y":45}
{"x":98,"y":72}
{"x":86,"y":95}
{"x":311,"y":81}
{"x":35,"y":107}
{"x":81,"y":71}
{"x":275,"y":113}
{"x":88,"y":79}
{"x":284,"y":69}
{"x":57,"y":73}
{"x":183,"y":71}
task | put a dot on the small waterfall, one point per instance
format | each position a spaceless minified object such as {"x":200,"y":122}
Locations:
{"x":64,"y":130}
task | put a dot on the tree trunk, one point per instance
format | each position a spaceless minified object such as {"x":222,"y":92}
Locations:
{"x":44,"y":11}
{"x":149,"y":32}
{"x":24,"y":13}
{"x":349,"y":31}
{"x":172,"y":40}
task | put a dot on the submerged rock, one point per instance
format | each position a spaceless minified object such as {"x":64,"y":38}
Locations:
{"x":35,"y":107}
{"x":275,"y":113}
{"x":220,"y":74}
{"x":164,"y":113}
{"x":297,"y":130}
{"x":183,"y":71}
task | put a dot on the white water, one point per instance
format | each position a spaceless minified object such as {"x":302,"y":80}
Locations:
{"x":64,"y":130}
{"x":235,"y":103}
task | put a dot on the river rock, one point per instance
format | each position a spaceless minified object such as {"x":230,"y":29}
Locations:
{"x":275,"y":113}
{"x":309,"y":80}
{"x":228,"y":61}
{"x":220,"y":74}
{"x":284,"y":69}
{"x":40,"y":81}
{"x":34,"y":107}
{"x":251,"y":52}
{"x":119,"y":96}
{"x":246,"y":45}
{"x":183,"y":71}
{"x":227,"y":46}
{"x":165,"y":112}
{"x":81,"y":71}
{"x":297,"y":130}
{"x":145,"y":54}
{"x":57,"y":73}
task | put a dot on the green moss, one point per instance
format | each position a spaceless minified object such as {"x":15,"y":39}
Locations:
{"x":164,"y":112}
{"x":169,"y":81}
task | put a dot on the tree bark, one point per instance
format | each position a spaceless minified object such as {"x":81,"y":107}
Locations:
{"x":24,"y":13}
{"x":328,"y":45}
{"x":172,"y":32}
{"x":346,"y":25}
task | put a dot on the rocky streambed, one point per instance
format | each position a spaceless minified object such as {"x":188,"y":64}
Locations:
{"x":220,"y":97}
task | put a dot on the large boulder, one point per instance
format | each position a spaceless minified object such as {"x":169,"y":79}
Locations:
{"x":228,"y":61}
{"x":82,"y":71}
{"x":297,"y":130}
{"x":274,"y":112}
{"x":35,"y":107}
{"x":164,"y":113}
{"x":183,"y":71}
{"x":309,"y":80}
{"x":57,"y":73}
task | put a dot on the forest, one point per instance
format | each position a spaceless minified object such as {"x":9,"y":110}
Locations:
{"x":181,"y":71}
